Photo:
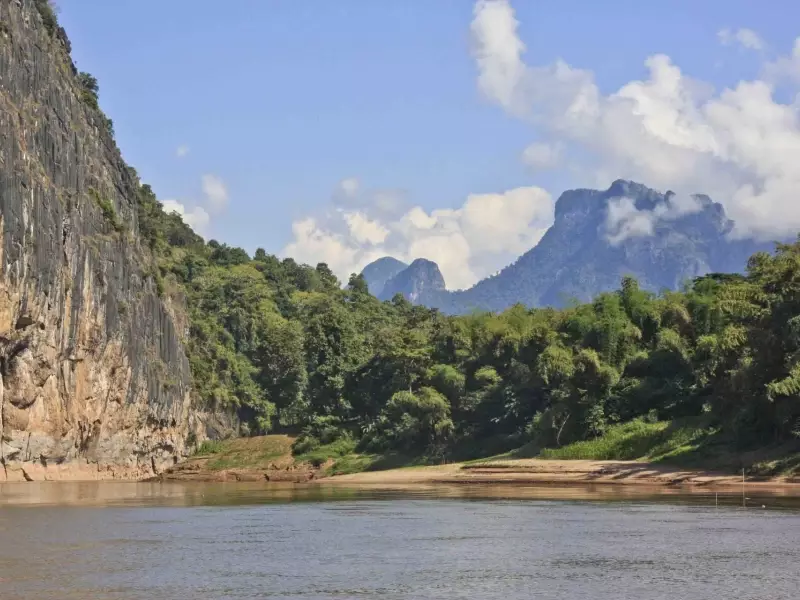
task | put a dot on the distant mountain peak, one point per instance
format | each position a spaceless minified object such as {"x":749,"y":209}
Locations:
{"x":378,"y":272}
{"x":417,"y":280}
{"x":662,"y":239}
{"x":624,"y":187}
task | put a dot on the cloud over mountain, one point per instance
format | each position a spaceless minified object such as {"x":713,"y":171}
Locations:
{"x":739,"y":145}
{"x":467,"y":243}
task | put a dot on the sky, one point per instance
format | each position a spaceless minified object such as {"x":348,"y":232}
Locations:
{"x":345,"y":130}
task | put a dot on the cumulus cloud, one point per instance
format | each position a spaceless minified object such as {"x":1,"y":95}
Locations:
{"x":365,"y":230}
{"x":740,"y":145}
{"x":195,"y":217}
{"x":182,"y":151}
{"x":541,"y":155}
{"x":785,"y":68}
{"x":746,"y":38}
{"x":215,"y":192}
{"x":467,"y":243}
{"x":198,"y":215}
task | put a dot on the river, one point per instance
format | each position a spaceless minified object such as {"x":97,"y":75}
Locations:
{"x":232,"y":541}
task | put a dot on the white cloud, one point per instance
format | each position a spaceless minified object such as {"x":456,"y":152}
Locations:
{"x":182,"y":151}
{"x":746,"y":38}
{"x":498,"y":51}
{"x":350,"y":186}
{"x":467,"y":243}
{"x":198,"y":216}
{"x":215,"y":192}
{"x":195,"y":217}
{"x":541,"y":155}
{"x":785,"y":67}
{"x":740,"y":145}
{"x":625,"y":221}
{"x":365,"y":230}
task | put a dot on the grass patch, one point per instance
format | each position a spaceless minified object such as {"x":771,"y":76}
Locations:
{"x":785,"y":466}
{"x":692,"y":443}
{"x":340,"y":458}
{"x":210,"y":447}
{"x":247,"y":453}
{"x":335,"y":450}
{"x":637,"y":440}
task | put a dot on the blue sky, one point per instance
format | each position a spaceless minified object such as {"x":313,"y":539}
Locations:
{"x":281,"y":100}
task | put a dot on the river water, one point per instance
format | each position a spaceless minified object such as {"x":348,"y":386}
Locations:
{"x":232,"y":541}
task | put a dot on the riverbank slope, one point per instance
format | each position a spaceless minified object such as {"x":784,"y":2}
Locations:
{"x":562,"y":472}
{"x":269,"y":459}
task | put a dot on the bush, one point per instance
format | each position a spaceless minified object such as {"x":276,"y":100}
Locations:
{"x":211,"y":447}
{"x":48,"y":14}
{"x":320,"y":431}
{"x":305,"y":444}
{"x":108,"y":210}
{"x":637,"y":439}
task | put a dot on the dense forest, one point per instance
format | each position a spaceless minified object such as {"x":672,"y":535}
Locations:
{"x":288,"y":348}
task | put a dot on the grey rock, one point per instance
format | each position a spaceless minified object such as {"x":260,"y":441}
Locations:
{"x":579,"y":257}
{"x":378,"y":272}
{"x":419,"y":280}
{"x":95,"y":380}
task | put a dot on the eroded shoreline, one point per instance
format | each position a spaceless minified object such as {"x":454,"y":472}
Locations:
{"x":496,"y":472}
{"x":564,"y":472}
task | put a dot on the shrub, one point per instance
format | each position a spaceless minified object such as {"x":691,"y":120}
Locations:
{"x":211,"y":447}
{"x":109,"y":212}
{"x":48,"y":14}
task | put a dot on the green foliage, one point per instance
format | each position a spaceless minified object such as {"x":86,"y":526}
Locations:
{"x":210,"y":447}
{"x":89,"y":89}
{"x":411,"y":422}
{"x":318,"y":455}
{"x":109,"y":212}
{"x":285,"y":346}
{"x":634,"y":440}
{"x":48,"y":14}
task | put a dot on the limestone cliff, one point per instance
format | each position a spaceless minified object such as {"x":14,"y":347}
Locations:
{"x":95,"y":381}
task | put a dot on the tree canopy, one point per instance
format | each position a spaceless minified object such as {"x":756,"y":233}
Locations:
{"x":285,"y":345}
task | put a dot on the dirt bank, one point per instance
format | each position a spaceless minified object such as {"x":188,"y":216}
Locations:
{"x":562,"y":472}
{"x":269,"y":459}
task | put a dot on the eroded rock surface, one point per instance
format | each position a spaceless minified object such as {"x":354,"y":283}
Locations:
{"x":95,"y":381}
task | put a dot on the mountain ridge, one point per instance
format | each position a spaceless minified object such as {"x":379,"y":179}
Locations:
{"x":598,"y":237}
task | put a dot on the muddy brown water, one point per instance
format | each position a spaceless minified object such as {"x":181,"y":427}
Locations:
{"x":230,"y":541}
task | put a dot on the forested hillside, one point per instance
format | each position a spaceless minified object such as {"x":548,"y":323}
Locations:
{"x":284,"y":346}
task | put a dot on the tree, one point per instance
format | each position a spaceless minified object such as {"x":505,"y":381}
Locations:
{"x":358,"y":285}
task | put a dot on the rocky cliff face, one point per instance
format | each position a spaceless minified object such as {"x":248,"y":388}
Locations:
{"x":377,"y":273}
{"x":94,"y":381}
{"x":420,"y":280}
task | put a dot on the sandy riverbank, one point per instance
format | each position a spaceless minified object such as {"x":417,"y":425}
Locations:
{"x":561,"y":472}
{"x":269,"y":459}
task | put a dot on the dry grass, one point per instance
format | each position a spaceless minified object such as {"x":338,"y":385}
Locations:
{"x":261,"y":452}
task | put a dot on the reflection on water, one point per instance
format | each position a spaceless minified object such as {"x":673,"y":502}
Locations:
{"x":132,"y":541}
{"x":216,"y":494}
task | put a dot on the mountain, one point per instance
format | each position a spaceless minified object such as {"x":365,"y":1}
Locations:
{"x":600,"y":236}
{"x":421,"y":279}
{"x":94,"y":379}
{"x":377,"y":273}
